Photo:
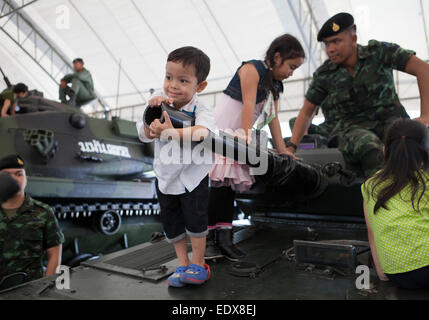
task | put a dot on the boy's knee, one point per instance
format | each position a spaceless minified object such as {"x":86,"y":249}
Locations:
{"x":197,"y":235}
{"x":177,"y":239}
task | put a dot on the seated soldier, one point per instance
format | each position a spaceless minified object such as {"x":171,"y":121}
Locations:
{"x":28,"y":228}
{"x":8,"y":99}
{"x":356,"y":85}
{"x":81,"y":91}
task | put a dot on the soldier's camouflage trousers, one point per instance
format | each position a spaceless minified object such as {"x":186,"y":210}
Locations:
{"x":362,"y":150}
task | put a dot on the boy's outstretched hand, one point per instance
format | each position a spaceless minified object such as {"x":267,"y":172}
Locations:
{"x":156,"y":128}
{"x":157,"y":101}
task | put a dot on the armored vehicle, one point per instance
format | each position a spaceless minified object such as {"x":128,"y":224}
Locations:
{"x":82,"y":167}
{"x":94,"y":172}
{"x":306,"y":239}
{"x":306,"y":220}
{"x":339,"y":201}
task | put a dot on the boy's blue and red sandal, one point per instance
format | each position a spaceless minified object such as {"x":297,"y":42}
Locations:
{"x":196,"y":275}
{"x":174,"y":279}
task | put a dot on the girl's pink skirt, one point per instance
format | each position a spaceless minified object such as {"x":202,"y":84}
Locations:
{"x":225,"y":172}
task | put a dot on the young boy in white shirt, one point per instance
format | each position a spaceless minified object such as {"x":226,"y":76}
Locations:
{"x":182,"y":186}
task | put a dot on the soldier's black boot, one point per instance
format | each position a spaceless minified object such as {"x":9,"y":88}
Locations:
{"x":68,"y":92}
{"x":212,"y":250}
{"x":72,"y":100}
{"x":227,"y":247}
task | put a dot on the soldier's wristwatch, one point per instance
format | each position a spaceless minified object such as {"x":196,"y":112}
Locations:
{"x":290,"y":144}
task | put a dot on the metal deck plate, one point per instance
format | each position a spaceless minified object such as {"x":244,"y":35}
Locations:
{"x":282,"y":280}
{"x":340,"y":253}
{"x":146,"y":261}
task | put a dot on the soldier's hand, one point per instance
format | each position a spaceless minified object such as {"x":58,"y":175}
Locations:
{"x":289,"y":152}
{"x":157,"y":101}
{"x":63,"y":84}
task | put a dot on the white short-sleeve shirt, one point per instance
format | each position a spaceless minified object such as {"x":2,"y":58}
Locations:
{"x":180,"y":168}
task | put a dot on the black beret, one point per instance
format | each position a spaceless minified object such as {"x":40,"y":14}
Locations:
{"x":78,"y":60}
{"x":12,"y":162}
{"x":337,"y":24}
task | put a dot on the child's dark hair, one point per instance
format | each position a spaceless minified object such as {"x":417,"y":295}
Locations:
{"x":192,"y":56}
{"x":289,"y":48}
{"x":20,"y":88}
{"x":406,"y":161}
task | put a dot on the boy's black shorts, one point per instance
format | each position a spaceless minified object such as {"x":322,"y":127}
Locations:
{"x":185,"y":213}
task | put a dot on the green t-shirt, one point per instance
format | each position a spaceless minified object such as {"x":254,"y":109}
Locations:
{"x":7,"y":95}
{"x":401,"y":235}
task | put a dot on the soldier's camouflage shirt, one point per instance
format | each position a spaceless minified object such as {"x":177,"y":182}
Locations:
{"x":369,"y":97}
{"x":24,"y":238}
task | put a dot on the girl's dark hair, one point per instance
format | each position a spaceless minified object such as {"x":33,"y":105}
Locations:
{"x":406,"y":161}
{"x":289,"y":48}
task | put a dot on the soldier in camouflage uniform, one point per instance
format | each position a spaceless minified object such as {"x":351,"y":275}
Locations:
{"x":8,"y":97}
{"x":81,"y":91}
{"x":28,"y":229}
{"x":356,"y":88}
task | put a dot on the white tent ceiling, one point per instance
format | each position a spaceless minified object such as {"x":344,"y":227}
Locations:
{"x":137,"y":35}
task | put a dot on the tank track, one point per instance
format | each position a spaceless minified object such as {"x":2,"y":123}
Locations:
{"x":65,"y":211}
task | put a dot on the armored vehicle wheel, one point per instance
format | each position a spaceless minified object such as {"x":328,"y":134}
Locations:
{"x":108,"y":222}
{"x":77,"y":120}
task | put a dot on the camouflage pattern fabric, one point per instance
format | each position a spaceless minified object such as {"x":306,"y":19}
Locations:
{"x":367,"y":100}
{"x":24,"y":239}
{"x":362,"y":150}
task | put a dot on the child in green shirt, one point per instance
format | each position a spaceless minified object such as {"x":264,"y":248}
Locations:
{"x":396,"y":205}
